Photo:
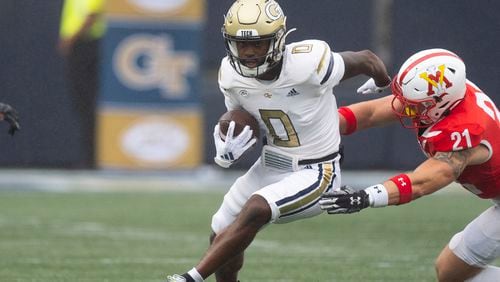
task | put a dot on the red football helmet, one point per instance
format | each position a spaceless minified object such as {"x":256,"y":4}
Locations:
{"x":428,"y":85}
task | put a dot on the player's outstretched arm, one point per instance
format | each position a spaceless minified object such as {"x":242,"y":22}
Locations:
{"x":9,"y":114}
{"x":432,"y":175}
{"x":442,"y":169}
{"x":372,"y":113}
{"x":367,"y":63}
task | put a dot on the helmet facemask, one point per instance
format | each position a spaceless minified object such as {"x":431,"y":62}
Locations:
{"x":265,"y":62}
{"x":412,"y":114}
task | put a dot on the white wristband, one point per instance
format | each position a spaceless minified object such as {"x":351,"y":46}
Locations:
{"x":378,"y":196}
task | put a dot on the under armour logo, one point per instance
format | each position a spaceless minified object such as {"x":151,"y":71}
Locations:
{"x":378,"y":189}
{"x":355,"y":200}
{"x":402,"y":181}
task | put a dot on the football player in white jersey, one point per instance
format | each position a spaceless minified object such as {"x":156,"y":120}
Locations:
{"x":288,"y":89}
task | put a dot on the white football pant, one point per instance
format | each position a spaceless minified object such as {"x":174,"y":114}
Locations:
{"x":291,"y":195}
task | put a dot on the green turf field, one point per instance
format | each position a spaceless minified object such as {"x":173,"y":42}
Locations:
{"x":143,"y":237}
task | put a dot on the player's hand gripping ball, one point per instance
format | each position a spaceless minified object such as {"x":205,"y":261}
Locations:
{"x":234,"y":134}
{"x":241,"y":118}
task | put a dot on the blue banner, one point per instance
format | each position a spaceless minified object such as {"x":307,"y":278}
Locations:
{"x":151,"y":64}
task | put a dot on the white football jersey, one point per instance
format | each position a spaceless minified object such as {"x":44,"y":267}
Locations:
{"x":298,"y":111}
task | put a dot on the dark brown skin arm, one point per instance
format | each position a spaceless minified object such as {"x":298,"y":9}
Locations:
{"x":367,"y":63}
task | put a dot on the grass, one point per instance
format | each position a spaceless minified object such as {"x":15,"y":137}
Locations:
{"x":144,"y":236}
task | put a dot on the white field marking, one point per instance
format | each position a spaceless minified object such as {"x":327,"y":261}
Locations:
{"x":90,"y":229}
{"x":162,"y":261}
{"x":302,"y":249}
{"x":205,"y":178}
{"x":109,"y":260}
{"x":311,"y":250}
{"x":94,"y":229}
{"x":10,"y":243}
{"x":384,"y":264}
{"x":25,"y":221}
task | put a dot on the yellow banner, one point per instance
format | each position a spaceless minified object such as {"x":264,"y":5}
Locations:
{"x":163,"y":10}
{"x":149,"y":139}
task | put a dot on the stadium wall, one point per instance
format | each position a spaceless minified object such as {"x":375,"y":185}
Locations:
{"x":32,"y":78}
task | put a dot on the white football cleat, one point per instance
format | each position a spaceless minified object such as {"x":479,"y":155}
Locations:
{"x":175,"y":278}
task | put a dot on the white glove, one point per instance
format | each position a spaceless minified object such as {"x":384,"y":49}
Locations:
{"x":231,"y":149}
{"x":369,"y":87}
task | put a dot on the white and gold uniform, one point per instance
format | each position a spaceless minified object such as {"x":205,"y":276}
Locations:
{"x":298,"y":113}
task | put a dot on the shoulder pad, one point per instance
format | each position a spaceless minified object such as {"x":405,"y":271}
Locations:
{"x":309,"y":58}
{"x":226,"y":73}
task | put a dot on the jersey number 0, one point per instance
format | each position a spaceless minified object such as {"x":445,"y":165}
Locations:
{"x":276,"y":122}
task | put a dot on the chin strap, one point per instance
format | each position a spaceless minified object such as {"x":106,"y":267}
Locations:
{"x":288,"y":32}
{"x":282,"y":39}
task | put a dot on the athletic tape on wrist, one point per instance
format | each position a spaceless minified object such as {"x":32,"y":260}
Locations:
{"x":403,"y":183}
{"x":350,"y":119}
{"x":378,"y":196}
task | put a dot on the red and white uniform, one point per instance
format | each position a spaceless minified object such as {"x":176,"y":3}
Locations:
{"x":474,"y":121}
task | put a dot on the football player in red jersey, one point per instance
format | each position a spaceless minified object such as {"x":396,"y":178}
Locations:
{"x":458,"y":128}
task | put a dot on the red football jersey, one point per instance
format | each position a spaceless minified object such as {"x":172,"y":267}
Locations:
{"x":475,"y":120}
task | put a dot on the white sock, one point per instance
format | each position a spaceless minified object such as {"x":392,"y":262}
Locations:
{"x":195,"y":275}
{"x":489,"y":274}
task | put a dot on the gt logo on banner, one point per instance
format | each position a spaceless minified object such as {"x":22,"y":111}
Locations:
{"x":145,"y":62}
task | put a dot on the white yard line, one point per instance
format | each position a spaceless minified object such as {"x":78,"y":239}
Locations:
{"x":207,"y":178}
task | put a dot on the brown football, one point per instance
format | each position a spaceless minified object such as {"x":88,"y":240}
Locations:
{"x":241,"y":118}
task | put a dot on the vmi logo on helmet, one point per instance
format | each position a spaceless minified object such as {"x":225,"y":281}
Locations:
{"x":433,"y":80}
{"x":273,"y":10}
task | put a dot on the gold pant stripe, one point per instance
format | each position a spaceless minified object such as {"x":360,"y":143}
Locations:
{"x":318,"y":188}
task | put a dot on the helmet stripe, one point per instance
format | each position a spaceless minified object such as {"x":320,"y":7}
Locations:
{"x":412,"y":65}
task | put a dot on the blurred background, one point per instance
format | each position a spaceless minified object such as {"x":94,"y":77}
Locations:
{"x":158,"y":97}
{"x":148,"y":128}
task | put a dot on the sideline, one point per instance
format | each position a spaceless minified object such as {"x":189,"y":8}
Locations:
{"x":205,"y":178}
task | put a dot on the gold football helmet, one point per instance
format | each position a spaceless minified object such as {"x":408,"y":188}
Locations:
{"x":255,"y":20}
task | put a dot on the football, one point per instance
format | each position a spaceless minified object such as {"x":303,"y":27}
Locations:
{"x":241,"y":118}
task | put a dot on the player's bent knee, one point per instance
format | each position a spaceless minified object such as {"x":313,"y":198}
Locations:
{"x":443,"y":266}
{"x":440,"y":270}
{"x":256,"y":211}
{"x":449,"y":267}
